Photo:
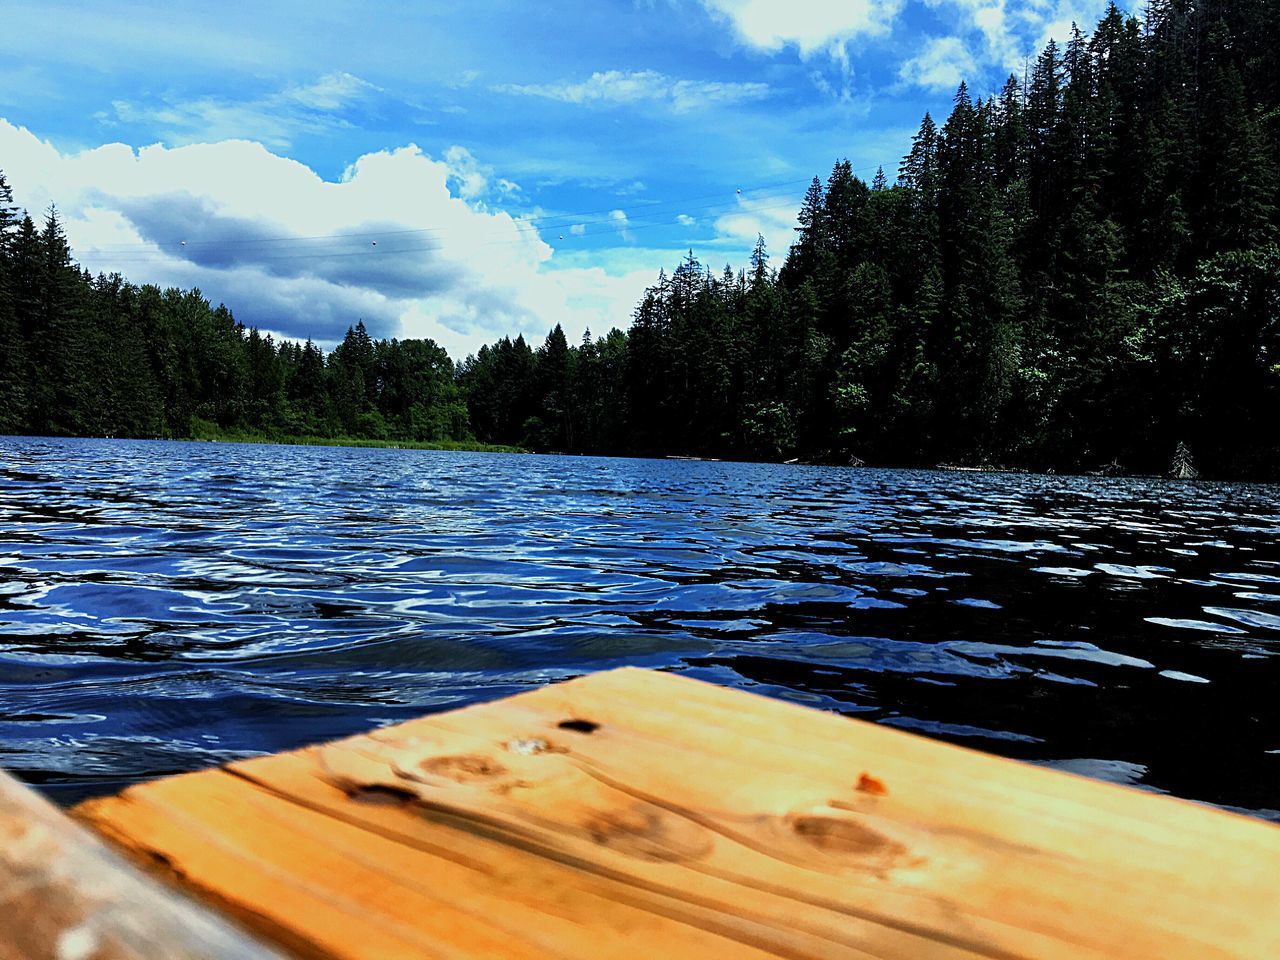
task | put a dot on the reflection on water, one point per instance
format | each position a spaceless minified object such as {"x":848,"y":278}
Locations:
{"x":167,"y":606}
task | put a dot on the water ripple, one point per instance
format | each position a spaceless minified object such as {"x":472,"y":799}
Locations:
{"x":167,"y":606}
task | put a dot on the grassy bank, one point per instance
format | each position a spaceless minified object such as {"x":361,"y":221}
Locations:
{"x":210,"y":433}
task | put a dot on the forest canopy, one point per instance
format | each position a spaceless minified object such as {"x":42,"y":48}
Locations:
{"x":1079,"y":271}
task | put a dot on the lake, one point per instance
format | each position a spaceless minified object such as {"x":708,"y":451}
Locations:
{"x":166,"y":606}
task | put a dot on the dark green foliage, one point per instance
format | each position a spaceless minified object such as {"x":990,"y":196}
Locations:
{"x":1077,"y":273}
{"x":498,"y":383}
{"x":14,"y":404}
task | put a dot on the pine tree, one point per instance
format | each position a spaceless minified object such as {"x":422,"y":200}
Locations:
{"x":812,"y":242}
{"x":62,"y":391}
{"x":553,"y":377}
{"x":1237,"y":179}
{"x":918,"y":172}
{"x":759,"y":263}
{"x":13,"y":354}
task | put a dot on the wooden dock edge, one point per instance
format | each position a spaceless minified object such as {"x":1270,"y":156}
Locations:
{"x":65,"y":896}
{"x":634,"y":814}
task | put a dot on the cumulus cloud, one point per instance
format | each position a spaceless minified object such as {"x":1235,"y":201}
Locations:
{"x":407,"y":242}
{"x":813,"y":26}
{"x":995,"y":34}
{"x":941,"y":65}
{"x":644,"y":86}
{"x":469,"y":176}
{"x":685,"y":220}
{"x":274,"y":119}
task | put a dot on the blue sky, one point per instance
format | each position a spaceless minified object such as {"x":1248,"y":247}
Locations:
{"x":467,"y":170}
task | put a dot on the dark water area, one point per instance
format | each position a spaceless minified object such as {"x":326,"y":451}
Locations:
{"x":166,"y":606}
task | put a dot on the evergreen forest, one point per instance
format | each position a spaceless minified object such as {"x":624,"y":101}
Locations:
{"x":1077,"y":272}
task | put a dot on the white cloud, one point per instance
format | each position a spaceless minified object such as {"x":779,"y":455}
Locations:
{"x":685,"y":220}
{"x":645,"y":86}
{"x":1004,"y":36}
{"x":469,"y":175}
{"x":578,"y":229}
{"x":466,"y":78}
{"x":813,"y":26}
{"x":772,"y":217}
{"x":1052,"y":20}
{"x":333,"y":91}
{"x":992,"y":35}
{"x":984,"y":34}
{"x":293,"y":253}
{"x":274,"y":118}
{"x":619,"y":219}
{"x":941,"y":65}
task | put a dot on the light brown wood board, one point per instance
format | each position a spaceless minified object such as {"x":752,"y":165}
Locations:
{"x":636,"y":814}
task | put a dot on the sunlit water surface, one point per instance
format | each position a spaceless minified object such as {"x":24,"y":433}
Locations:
{"x":165,"y":606}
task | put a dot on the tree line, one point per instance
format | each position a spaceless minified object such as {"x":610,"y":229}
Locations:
{"x":1079,"y":272}
{"x":98,"y":356}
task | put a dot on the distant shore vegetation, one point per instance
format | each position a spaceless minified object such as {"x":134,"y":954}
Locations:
{"x":1079,"y":272}
{"x":203,"y":430}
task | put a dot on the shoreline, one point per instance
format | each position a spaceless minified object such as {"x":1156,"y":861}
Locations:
{"x":466,"y":446}
{"x":476,"y":446}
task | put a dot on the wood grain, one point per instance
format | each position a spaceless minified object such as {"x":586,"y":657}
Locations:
{"x":640,"y":814}
{"x":65,"y":896}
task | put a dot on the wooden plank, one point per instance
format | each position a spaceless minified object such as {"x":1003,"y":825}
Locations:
{"x":65,"y":896}
{"x":635,"y":814}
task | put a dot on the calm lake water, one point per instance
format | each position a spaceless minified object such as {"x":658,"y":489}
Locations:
{"x":165,"y":606}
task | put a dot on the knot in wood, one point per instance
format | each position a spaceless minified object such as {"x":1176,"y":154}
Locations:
{"x":648,"y":833}
{"x":462,"y":768}
{"x":843,"y":835}
{"x":527,"y":746}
